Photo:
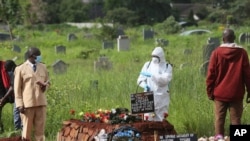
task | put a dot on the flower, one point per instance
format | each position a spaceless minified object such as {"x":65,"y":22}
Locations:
{"x":113,"y":116}
{"x":165,"y":115}
{"x":72,"y":112}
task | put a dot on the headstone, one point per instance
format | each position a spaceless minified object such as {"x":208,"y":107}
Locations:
{"x":183,"y":65}
{"x":94,"y":84}
{"x":120,"y":32}
{"x":26,"y":55}
{"x":60,"y":49}
{"x":4,"y":36}
{"x":59,"y":67}
{"x":179,"y":137}
{"x":148,"y":34}
{"x":123,"y":43}
{"x":244,"y":38}
{"x":214,"y":40}
{"x":87,"y":35}
{"x":102,"y":64}
{"x":204,"y":67}
{"x":16,"y":48}
{"x":71,"y":37}
{"x":107,"y":45}
{"x":187,"y":51}
{"x":161,"y":42}
{"x":142,"y":102}
{"x":212,"y":44}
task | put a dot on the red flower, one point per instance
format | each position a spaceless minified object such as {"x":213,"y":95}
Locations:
{"x":72,"y":112}
{"x":165,"y":115}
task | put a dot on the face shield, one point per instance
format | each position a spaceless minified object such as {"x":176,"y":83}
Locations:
{"x":155,"y":59}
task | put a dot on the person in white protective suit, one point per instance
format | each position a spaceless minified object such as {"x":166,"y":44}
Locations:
{"x":155,"y":76}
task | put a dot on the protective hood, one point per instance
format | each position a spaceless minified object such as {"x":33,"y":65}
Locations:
{"x":231,"y":51}
{"x":158,"y":51}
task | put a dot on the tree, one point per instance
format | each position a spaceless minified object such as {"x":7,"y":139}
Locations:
{"x":10,"y":13}
{"x":147,"y":11}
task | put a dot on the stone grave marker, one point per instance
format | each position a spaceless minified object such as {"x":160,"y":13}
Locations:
{"x":16,"y":48}
{"x":4,"y":36}
{"x":123,"y":43}
{"x":148,"y":34}
{"x":214,"y":40}
{"x":244,"y":38}
{"x":26,"y":55}
{"x":94,"y":84}
{"x":161,"y":42}
{"x":59,"y":67}
{"x":71,"y":37}
{"x":212,"y":43}
{"x":204,"y":67}
{"x":120,"y":31}
{"x":107,"y":45}
{"x":187,"y":51}
{"x":60,"y":49}
{"x":102,"y":63}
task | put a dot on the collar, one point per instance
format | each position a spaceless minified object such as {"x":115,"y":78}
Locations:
{"x":230,"y":45}
{"x":30,"y":63}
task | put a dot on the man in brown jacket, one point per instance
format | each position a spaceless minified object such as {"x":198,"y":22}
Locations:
{"x":30,"y":83}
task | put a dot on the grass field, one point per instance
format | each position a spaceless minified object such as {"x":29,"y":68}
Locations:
{"x":190,"y":109}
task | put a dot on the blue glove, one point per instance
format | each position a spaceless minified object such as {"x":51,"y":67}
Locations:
{"x":147,"y":74}
{"x":146,"y":88}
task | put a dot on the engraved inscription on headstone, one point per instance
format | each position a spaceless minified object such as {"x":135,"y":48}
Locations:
{"x":123,"y":43}
{"x":180,"y":137}
{"x":142,"y":102}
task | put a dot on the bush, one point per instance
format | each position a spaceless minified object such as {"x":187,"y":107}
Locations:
{"x":169,"y":26}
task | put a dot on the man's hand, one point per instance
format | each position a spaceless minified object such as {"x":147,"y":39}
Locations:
{"x":21,"y":109}
{"x":211,"y":97}
{"x":42,"y":85}
{"x":2,"y":102}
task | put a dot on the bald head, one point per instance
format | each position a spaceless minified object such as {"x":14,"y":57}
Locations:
{"x":228,"y":36}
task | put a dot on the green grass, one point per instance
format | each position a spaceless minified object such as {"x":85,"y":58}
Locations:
{"x":190,"y":110}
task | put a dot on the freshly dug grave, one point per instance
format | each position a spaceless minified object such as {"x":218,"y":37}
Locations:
{"x":76,"y":130}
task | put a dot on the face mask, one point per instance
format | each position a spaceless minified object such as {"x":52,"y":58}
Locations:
{"x":155,"y":60}
{"x":38,"y":59}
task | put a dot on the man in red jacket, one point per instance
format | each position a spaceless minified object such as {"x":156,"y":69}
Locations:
{"x":228,"y":75}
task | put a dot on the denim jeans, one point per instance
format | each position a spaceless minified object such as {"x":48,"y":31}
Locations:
{"x":17,"y":118}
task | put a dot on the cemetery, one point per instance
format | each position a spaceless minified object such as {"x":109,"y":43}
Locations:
{"x":93,"y":69}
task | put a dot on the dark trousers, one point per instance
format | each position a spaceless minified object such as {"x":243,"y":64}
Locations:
{"x":220,"y":109}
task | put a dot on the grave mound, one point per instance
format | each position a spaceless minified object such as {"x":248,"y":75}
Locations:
{"x":77,"y":130}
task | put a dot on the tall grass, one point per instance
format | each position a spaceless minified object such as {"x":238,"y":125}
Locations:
{"x":190,"y":110}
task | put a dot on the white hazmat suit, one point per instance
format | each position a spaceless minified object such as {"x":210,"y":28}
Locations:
{"x":155,"y":76}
